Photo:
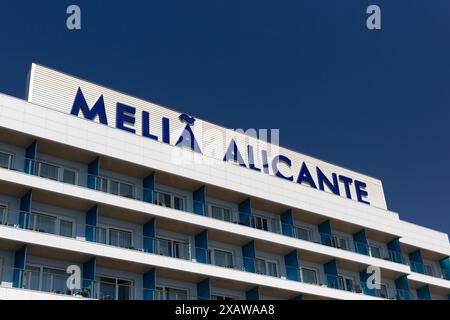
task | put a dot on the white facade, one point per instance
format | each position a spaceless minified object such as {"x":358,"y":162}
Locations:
{"x":170,"y":229}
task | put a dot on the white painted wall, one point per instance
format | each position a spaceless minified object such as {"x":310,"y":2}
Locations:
{"x":31,"y":119}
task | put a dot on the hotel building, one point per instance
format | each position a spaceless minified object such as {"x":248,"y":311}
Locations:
{"x":153,"y":204}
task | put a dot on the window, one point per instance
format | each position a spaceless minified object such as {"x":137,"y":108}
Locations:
{"x":384,"y":292}
{"x":220,"y":213}
{"x":178,"y":203}
{"x":172,"y":248}
{"x":50,"y":224}
{"x":260,"y":266}
{"x":375,"y":251}
{"x":3,"y":215}
{"x":116,"y":187}
{"x":340,"y":242}
{"x":272,"y":269}
{"x":169,"y":200}
{"x":346,"y":283}
{"x":46,"y":279}
{"x":48,"y":171}
{"x":222,"y":297}
{"x":168,"y":293}
{"x":126,"y":190}
{"x":32,"y":278}
{"x":309,"y":276}
{"x":66,"y":228}
{"x":120,"y":238}
{"x":100,"y":235}
{"x":114,"y":289}
{"x":269,"y":268}
{"x":303,"y":233}
{"x":222,"y":258}
{"x":6,"y":160}
{"x":164,"y":199}
{"x":54,"y":280}
{"x":69,"y":176}
{"x":114,"y":237}
{"x":42,"y":223}
{"x":428,"y":269}
{"x":57,"y":173}
{"x":261,"y":223}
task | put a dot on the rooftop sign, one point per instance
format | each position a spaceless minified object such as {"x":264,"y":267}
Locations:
{"x":83,"y":99}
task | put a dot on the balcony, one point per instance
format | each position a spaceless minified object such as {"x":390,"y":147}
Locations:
{"x":346,"y":284}
{"x":53,"y":281}
{"x":273,"y":225}
{"x":429,"y":270}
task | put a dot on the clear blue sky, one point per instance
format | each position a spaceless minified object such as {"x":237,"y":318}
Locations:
{"x":376,"y":102}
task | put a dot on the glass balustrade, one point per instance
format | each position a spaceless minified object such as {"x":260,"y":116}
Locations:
{"x":55,"y":281}
{"x":160,"y":198}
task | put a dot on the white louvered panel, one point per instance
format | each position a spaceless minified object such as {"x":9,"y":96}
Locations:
{"x":56,"y":90}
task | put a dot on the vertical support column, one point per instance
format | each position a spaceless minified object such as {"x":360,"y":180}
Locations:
{"x":287,"y":223}
{"x":363,"y":276}
{"x":245,"y":212}
{"x":424,"y":293}
{"x":204,"y":289}
{"x":325,"y":232}
{"x":149,"y":236}
{"x":93,"y":173}
{"x":395,"y":252}
{"x":253,"y":294}
{"x":149,"y":282}
{"x":249,"y":255}
{"x":199,"y":204}
{"x":402,"y":286}
{"x":201,"y":247}
{"x":292,"y":264}
{"x":30,"y":158}
{"x":445,"y":267}
{"x":331,"y":274}
{"x":361,"y":244}
{"x":91,"y":223}
{"x":25,"y":210}
{"x":89,"y":272}
{"x":149,"y":184}
{"x":20,"y":261}
{"x":416,"y":261}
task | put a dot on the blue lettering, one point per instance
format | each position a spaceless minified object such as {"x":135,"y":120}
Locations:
{"x":265,"y":161}
{"x":359,"y":186}
{"x":187,"y":139}
{"x":97,"y":110}
{"x":251,"y":159}
{"x":166,"y":130}
{"x":323,"y":180}
{"x":347,"y":182}
{"x":305,"y":176}
{"x":234,"y":154}
{"x":146,"y":126}
{"x":275,"y":169}
{"x":125,"y":115}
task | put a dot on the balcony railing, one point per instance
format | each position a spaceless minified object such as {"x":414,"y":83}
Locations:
{"x":429,"y":270}
{"x":343,"y":283}
{"x":56,"y":283}
{"x":262,"y":223}
{"x":331,"y":240}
